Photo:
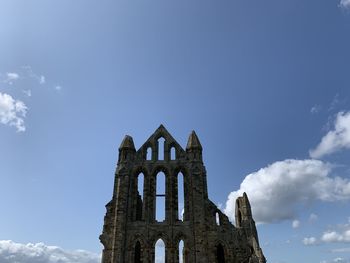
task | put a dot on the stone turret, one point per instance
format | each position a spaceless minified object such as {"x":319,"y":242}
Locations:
{"x":126,"y":149}
{"x":194,"y":147}
{"x":245,"y":221}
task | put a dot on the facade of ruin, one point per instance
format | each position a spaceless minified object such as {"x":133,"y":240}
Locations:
{"x":131,"y":224}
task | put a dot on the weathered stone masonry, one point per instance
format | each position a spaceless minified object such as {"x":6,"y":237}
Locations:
{"x":130,"y":228}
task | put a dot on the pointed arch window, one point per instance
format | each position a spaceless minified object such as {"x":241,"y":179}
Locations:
{"x":181,"y":251}
{"x":180,"y":196}
{"x":161,"y":142}
{"x":139,"y":196}
{"x":160,"y":197}
{"x":217,"y":219}
{"x":149,"y":154}
{"x":159,"y":251}
{"x":172,"y":153}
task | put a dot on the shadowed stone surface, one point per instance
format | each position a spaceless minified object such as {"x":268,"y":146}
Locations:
{"x":131,"y":231}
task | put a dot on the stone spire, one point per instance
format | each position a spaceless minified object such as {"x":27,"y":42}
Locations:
{"x":126,"y":149}
{"x":193,"y":142}
{"x":127,"y":143}
{"x":194,"y":148}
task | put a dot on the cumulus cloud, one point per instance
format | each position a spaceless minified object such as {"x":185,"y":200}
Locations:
{"x":336,"y":139}
{"x":296,"y":223}
{"x":336,"y":237}
{"x":12,"y":112}
{"x":309,"y":241}
{"x":344,"y":3}
{"x":277,"y":191}
{"x":11,"y":252}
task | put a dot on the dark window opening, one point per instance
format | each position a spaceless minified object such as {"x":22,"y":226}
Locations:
{"x":137,"y":253}
{"x":139,"y":196}
{"x":220,"y":254}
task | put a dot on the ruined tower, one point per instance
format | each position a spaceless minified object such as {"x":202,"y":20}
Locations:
{"x":131,"y":227}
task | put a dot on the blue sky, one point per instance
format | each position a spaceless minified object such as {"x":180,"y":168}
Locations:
{"x":265,"y":84}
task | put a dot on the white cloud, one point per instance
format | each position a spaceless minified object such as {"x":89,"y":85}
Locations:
{"x":315,"y":109}
{"x":336,"y":237}
{"x":12,"y":112}
{"x":336,"y":139}
{"x":41,"y":79}
{"x":296,"y":223}
{"x":11,"y":77}
{"x":339,"y":234}
{"x":276,"y":191}
{"x":11,"y":252}
{"x":345,"y":3}
{"x":309,"y":241}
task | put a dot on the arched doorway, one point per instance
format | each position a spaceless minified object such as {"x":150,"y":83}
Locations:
{"x":220,"y":254}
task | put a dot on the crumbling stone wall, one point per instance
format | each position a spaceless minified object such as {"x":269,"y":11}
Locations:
{"x":131,"y":230}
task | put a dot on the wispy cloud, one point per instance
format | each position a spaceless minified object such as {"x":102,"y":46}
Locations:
{"x":336,"y":260}
{"x":41,"y":79}
{"x":315,"y":109}
{"x":313,"y":217}
{"x":27,"y":92}
{"x":278,"y":190}
{"x":11,"y":252}
{"x":31,"y":74}
{"x":296,"y":224}
{"x":10,"y":77}
{"x":58,"y":87}
{"x":341,"y":250}
{"x":336,"y":139}
{"x":310,"y":241}
{"x":12,"y":112}
{"x":344,"y":4}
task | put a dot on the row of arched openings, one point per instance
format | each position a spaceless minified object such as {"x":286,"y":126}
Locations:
{"x":161,"y":151}
{"x":161,"y":196}
{"x":159,"y":255}
{"x":159,"y":249}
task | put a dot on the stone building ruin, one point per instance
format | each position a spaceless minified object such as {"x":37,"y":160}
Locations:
{"x":131,"y":227}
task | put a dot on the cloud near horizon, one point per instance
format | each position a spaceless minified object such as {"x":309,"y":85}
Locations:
{"x":11,"y":252}
{"x":278,"y":190}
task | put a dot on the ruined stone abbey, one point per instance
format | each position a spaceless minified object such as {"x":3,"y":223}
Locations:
{"x":132,"y":226}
